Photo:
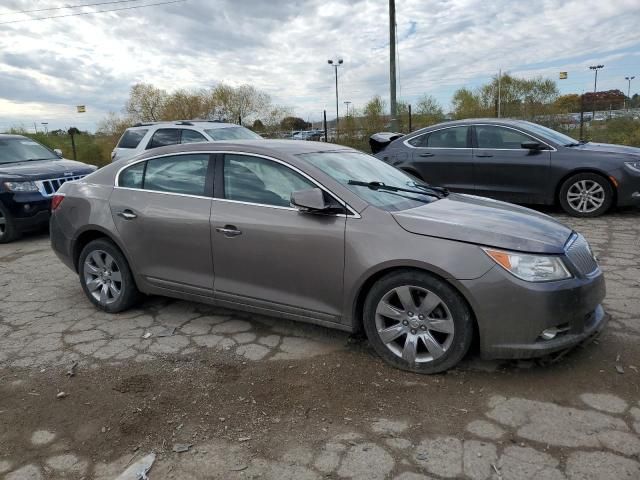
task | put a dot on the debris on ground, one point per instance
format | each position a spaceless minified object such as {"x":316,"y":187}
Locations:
{"x":139,"y":469}
{"x":167,"y":332}
{"x":181,"y":447}
{"x":619,"y":369}
{"x":244,"y":439}
{"x":72,"y":369}
{"x":62,"y":395}
{"x":147,"y":335}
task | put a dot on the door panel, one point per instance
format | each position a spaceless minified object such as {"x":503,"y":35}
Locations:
{"x":505,"y":171}
{"x":169,"y":239}
{"x":281,"y":256}
{"x":443,"y":158}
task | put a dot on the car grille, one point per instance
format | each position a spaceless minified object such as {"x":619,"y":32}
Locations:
{"x":51,"y":185}
{"x":579,"y":253}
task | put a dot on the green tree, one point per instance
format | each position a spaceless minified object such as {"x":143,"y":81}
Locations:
{"x":428,"y":112}
{"x":466,"y":104}
{"x":373,"y":115}
{"x":294,"y":123}
{"x":569,"y":103}
{"x":145,"y":103}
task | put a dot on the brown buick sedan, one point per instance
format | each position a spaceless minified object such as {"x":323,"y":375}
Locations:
{"x":329,"y":235}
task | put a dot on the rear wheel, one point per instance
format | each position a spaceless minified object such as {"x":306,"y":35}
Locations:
{"x":586,"y":195}
{"x":106,"y":278}
{"x":417,"y":322}
{"x":8,"y":231}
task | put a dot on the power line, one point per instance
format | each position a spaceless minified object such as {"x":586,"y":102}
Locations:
{"x":68,"y":7}
{"x":91,"y":13}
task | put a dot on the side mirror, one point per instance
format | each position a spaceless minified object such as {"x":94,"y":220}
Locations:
{"x":532,"y":146}
{"x":309,"y":200}
{"x":58,"y":152}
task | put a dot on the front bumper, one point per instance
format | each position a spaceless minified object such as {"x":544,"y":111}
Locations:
{"x":512,"y":314}
{"x":29,"y":210}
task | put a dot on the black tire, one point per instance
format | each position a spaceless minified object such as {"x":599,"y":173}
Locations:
{"x":571,"y":186}
{"x":458,"y":313}
{"x":129,"y":294}
{"x":8,"y":230}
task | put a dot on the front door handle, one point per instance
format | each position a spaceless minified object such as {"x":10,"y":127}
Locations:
{"x":427,"y":154}
{"x":484,"y":155}
{"x":127,"y":214}
{"x":229,"y":231}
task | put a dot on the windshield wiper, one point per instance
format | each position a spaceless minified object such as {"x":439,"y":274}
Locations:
{"x":389,"y":188}
{"x":443,"y":190}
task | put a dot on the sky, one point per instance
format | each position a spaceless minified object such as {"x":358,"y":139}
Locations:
{"x":49,"y":66}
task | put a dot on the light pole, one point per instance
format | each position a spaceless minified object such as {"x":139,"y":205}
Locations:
{"x":335,"y":65}
{"x":628,"y":79}
{"x":595,"y":88}
{"x":347,"y":103}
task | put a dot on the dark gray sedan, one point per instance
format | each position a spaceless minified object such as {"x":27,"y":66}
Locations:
{"x":520,"y":162}
{"x":325,"y":234}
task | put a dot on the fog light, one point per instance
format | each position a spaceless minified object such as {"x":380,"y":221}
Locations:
{"x":549,"y":333}
{"x":27,"y":207}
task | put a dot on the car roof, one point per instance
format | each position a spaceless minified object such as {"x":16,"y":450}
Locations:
{"x":470,"y":121}
{"x":209,"y":124}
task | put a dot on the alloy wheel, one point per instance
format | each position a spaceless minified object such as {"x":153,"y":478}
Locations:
{"x":103,"y":277}
{"x":3,"y":224}
{"x":586,"y":196}
{"x":414,"y":323}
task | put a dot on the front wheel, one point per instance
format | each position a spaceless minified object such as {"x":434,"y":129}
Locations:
{"x":8,"y":231}
{"x":106,"y":278}
{"x":586,"y":195}
{"x":417,"y":322}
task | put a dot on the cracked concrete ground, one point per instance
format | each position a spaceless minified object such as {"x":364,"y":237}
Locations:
{"x":259,"y":397}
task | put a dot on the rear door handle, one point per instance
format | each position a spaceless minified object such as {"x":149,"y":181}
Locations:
{"x":484,"y":155}
{"x":127,"y":214}
{"x":428,"y":154}
{"x":229,"y":231}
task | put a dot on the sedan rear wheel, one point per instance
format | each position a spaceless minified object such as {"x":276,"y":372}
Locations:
{"x":106,"y":278}
{"x":417,"y":322}
{"x":586,"y":195}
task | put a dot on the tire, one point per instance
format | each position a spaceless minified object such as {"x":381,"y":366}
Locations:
{"x":444,"y":322}
{"x":586,"y":195}
{"x":106,"y":278}
{"x":8,"y":229}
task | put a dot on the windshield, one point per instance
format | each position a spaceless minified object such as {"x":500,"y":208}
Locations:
{"x":232,"y":133}
{"x":18,"y":149}
{"x":345,"y":166}
{"x":549,"y":134}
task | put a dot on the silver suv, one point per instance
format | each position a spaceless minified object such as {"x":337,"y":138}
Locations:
{"x":144,"y":136}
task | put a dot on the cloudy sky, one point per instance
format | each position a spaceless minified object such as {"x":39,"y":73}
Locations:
{"x":49,"y":66}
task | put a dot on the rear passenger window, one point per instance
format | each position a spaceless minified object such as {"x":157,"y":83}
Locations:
{"x":177,"y":174}
{"x":164,"y":137}
{"x":455,"y":137}
{"x":132,"y":176}
{"x":131,"y":138}
{"x":417,"y":141}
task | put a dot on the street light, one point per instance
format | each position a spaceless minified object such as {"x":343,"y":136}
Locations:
{"x":628,"y":79}
{"x":347,"y":103}
{"x":335,"y":64}
{"x":595,"y":88}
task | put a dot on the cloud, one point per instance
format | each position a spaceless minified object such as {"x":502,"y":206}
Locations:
{"x":281,"y":47}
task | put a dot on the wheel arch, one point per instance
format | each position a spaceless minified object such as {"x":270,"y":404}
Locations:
{"x":90,"y":234}
{"x":357,"y":320}
{"x":614,"y":188}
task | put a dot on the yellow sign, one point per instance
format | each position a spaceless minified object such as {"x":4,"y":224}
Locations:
{"x":81,"y":108}
{"x":563,"y":75}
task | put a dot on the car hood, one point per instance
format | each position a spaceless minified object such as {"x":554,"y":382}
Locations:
{"x":45,"y":169}
{"x":608,"y":148}
{"x":483,"y":221}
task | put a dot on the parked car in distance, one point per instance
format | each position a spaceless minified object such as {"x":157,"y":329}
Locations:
{"x":520,"y":162}
{"x":145,"y":136}
{"x":329,"y":235}
{"x":30,"y":174}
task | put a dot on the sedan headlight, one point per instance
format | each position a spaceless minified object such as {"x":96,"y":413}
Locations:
{"x":531,"y":268}
{"x":21,"y":186}
{"x":635,"y":166}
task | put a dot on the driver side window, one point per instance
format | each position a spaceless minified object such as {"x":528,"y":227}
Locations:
{"x":258,"y":180}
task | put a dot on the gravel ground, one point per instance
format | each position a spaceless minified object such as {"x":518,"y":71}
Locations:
{"x":258,"y":397}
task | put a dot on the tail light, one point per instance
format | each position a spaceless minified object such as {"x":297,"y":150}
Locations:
{"x":56,"y":200}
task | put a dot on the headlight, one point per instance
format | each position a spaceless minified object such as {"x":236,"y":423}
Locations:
{"x":21,"y":186}
{"x":532,"y":268}
{"x":635,"y":166}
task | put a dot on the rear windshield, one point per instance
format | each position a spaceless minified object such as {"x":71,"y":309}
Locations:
{"x":131,"y":138}
{"x":232,"y":133}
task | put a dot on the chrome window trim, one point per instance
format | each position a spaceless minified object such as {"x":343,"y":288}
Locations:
{"x":352,"y":214}
{"x":437,"y":130}
{"x":551,"y":147}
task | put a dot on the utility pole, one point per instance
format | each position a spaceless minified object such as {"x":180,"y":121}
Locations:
{"x":628,"y":79}
{"x":335,"y":66}
{"x":595,"y":89}
{"x":392,"y":64}
{"x":499,"y":92}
